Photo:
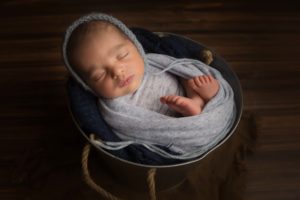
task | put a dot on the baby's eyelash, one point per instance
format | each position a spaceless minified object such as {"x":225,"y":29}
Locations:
{"x":123,"y":55}
{"x":98,"y":77}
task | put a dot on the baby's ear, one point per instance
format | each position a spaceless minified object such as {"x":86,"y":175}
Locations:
{"x":206,"y":56}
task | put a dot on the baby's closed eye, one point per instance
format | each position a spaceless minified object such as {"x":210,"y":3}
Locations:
{"x":122,"y":55}
{"x":97,"y":76}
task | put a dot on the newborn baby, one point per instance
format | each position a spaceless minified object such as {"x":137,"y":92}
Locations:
{"x":111,"y":65}
{"x":141,"y":95}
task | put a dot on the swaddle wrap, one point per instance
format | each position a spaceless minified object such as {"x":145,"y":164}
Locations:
{"x":187,"y":137}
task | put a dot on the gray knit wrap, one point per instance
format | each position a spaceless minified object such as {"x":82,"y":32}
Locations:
{"x":93,"y":17}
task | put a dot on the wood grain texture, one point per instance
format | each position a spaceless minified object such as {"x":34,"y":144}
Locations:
{"x":39,"y":144}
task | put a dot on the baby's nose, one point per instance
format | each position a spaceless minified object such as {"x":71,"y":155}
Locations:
{"x":118,"y":72}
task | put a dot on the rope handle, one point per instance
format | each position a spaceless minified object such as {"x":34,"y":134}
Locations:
{"x":90,"y":182}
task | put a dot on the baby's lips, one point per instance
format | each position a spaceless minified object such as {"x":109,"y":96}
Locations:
{"x":126,"y":81}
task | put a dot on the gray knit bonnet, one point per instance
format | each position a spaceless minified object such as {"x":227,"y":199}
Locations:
{"x":92,"y":17}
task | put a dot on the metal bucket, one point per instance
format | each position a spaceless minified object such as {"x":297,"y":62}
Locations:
{"x":134,"y":175}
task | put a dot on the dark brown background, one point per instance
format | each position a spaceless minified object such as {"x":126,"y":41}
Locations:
{"x":39,"y":144}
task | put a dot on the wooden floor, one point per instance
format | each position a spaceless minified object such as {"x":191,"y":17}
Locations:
{"x":260,"y":40}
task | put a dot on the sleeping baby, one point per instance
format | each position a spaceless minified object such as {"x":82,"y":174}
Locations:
{"x":111,"y":65}
{"x":105,"y":57}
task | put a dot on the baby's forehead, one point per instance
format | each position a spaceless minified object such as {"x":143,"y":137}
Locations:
{"x":89,"y":30}
{"x":97,"y":27}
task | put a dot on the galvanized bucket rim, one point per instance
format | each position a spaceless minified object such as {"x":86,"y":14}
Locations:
{"x":189,"y":162}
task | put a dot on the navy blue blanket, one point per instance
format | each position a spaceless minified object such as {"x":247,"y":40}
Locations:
{"x":84,"y":104}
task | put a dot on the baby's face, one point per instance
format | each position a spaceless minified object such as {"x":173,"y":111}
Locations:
{"x":110,"y":64}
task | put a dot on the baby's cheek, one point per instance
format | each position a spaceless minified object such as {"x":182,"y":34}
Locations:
{"x":108,"y":91}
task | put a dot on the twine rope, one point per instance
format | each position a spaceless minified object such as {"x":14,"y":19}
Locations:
{"x":91,"y":183}
{"x":151,"y":183}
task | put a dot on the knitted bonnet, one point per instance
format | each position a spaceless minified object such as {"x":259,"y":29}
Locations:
{"x":94,"y":17}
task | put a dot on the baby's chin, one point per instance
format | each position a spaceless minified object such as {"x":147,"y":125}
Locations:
{"x":132,"y":88}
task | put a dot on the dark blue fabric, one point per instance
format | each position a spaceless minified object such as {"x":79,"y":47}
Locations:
{"x":84,"y":104}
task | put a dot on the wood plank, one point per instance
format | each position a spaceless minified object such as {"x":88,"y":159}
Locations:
{"x":276,"y":164}
{"x":259,"y":40}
